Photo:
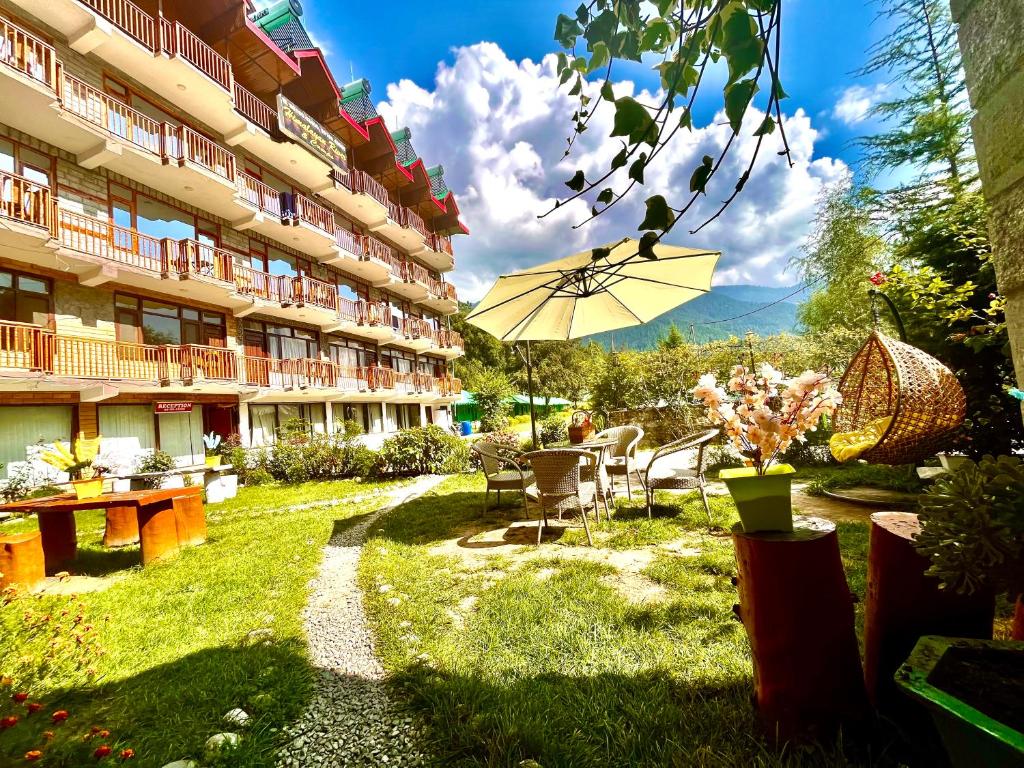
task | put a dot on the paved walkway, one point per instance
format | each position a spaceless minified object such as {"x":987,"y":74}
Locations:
{"x":352,"y":719}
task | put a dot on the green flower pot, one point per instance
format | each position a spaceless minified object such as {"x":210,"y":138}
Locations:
{"x":764,"y":501}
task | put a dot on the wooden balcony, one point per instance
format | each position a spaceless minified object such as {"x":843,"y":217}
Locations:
{"x":439,"y":254}
{"x":127,"y":17}
{"x":102,"y":239}
{"x":113,"y":116}
{"x":25,"y":201}
{"x":184,"y":145}
{"x":177,"y":40}
{"x":25,"y":53}
{"x":363,"y":183}
{"x":255,"y":110}
{"x":261,"y":196}
{"x":316,"y":216}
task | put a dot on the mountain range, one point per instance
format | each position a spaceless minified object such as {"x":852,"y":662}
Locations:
{"x":723,"y":302}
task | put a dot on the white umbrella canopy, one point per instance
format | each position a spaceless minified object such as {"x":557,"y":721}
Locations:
{"x":593,"y":291}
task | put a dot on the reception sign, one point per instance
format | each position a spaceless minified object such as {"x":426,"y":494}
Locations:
{"x":297,"y":125}
{"x":165,"y":407}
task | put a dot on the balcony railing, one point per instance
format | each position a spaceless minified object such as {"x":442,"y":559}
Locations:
{"x":26,"y":53}
{"x":255,"y":109}
{"x":261,"y":285}
{"x":413,"y":221}
{"x":417,"y":328}
{"x":189,"y":257}
{"x":315,"y":215}
{"x":105,"y":240}
{"x":129,"y":18}
{"x":364,"y":183}
{"x":415,"y":273}
{"x":178,"y":40}
{"x":449,"y":386}
{"x":83,"y":358}
{"x":24,"y":200}
{"x":186,"y":146}
{"x":259,"y":195}
{"x":375,"y":249}
{"x":113,"y":116}
{"x":448,"y":339}
{"x":350,"y":241}
{"x":373,"y":313}
{"x":26,"y":347}
{"x":441,"y":290}
{"x":307,"y":290}
{"x":441,"y":244}
{"x":395,"y":212}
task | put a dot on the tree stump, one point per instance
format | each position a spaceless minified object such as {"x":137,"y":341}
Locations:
{"x":60,"y":538}
{"x":190,"y":520}
{"x":21,"y":560}
{"x":903,"y":604}
{"x":122,"y":526}
{"x":158,"y":531}
{"x":798,"y":612}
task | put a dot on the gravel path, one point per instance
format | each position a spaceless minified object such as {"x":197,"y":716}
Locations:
{"x":352,"y":719}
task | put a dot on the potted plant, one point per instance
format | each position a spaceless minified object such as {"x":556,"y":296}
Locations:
{"x":972,"y":530}
{"x":212,"y":443}
{"x":974,"y":692}
{"x":155,"y":468}
{"x":81,"y":464}
{"x":581,"y":427}
{"x":763,"y":414}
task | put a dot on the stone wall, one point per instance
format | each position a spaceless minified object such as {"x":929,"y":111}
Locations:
{"x":991,"y":34}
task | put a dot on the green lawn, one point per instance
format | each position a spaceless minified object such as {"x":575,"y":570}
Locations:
{"x":627,"y":654}
{"x":176,"y":653}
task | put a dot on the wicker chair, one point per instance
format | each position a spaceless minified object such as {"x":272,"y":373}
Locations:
{"x":660,"y":477}
{"x":620,"y":459}
{"x":502,"y":471}
{"x":889,"y":379}
{"x":559,"y":488}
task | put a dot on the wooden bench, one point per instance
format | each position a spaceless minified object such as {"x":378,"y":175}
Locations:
{"x":21,"y":560}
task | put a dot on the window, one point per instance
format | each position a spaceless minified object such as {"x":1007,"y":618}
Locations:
{"x":265,"y":258}
{"x":134,"y":210}
{"x":351,"y":353}
{"x":266,"y":420}
{"x":401,"y":362}
{"x":148,"y":321}
{"x":287,"y":343}
{"x":24,"y":161}
{"x":24,"y":427}
{"x":406,"y":416}
{"x":25,"y":298}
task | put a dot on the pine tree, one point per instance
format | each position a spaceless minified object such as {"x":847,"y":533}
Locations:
{"x":673,"y":338}
{"x":927,"y":116}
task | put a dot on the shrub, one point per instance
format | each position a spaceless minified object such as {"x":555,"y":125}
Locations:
{"x":18,"y":485}
{"x":157,"y":461}
{"x":423,"y":451}
{"x":493,"y":389}
{"x":553,"y":430}
{"x":258,"y":476}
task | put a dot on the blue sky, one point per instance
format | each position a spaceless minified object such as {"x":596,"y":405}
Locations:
{"x":424,"y":61}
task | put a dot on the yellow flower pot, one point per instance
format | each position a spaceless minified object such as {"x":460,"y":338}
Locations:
{"x":213,"y":461}
{"x":763,"y":501}
{"x":88,"y":489}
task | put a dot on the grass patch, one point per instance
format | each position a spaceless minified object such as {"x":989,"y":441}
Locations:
{"x":823,"y":479}
{"x":539,"y":654}
{"x":176,"y":650}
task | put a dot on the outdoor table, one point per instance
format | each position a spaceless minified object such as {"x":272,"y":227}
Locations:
{"x":600,"y":445}
{"x":162,"y":521}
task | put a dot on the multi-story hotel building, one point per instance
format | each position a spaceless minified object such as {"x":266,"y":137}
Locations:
{"x":200,"y":230}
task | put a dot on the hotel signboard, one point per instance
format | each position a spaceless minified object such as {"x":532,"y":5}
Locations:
{"x":299,"y":126}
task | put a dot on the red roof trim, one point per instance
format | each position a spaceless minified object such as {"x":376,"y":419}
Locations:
{"x":426,"y":178}
{"x":258,"y":31}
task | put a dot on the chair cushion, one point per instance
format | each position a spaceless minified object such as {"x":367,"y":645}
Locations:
{"x":509,"y":479}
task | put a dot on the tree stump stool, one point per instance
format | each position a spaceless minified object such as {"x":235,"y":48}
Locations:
{"x":903,"y":604}
{"x":122,"y":526}
{"x":21,"y":560}
{"x":60,"y":538}
{"x":798,"y":612}
{"x":158,"y":531}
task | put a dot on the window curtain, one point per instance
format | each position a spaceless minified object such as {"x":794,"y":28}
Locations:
{"x":27,"y":431}
{"x":376,"y":418}
{"x":181,"y":435}
{"x":128,"y":431}
{"x":263,"y":424}
{"x":316,"y":415}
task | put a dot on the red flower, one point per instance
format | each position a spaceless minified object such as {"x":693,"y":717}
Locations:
{"x":127,"y":754}
{"x":102,"y":751}
{"x":60,"y":716}
{"x":33,"y":755}
{"x":94,"y":730}
{"x":47,"y":735}
{"x":8,"y":722}
{"x":20,"y":698}
{"x":877,"y":279}
{"x":33,"y":707}
{"x":104,"y":734}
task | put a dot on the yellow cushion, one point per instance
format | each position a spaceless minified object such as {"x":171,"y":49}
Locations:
{"x":847,"y":446}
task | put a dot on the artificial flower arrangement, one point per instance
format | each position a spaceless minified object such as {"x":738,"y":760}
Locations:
{"x":212,"y":443}
{"x":82,"y":463}
{"x":763,"y":413}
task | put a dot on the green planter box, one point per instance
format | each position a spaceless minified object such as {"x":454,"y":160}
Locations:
{"x":764,"y":501}
{"x":972,"y":738}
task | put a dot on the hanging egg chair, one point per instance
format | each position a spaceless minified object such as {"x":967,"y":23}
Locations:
{"x":900,"y":405}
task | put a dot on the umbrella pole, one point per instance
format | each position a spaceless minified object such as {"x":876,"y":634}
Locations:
{"x":529,"y":393}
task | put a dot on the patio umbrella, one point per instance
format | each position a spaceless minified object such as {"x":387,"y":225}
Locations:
{"x":602,"y":289}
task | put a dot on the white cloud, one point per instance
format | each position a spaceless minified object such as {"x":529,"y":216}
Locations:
{"x":855,"y":103}
{"x":498,"y":126}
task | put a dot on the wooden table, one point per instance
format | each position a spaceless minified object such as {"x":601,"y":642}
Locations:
{"x":162,"y":521}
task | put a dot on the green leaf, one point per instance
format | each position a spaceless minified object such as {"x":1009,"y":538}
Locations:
{"x":576,"y":182}
{"x":701,"y":174}
{"x":767,"y":126}
{"x":567,"y":30}
{"x":606,"y":196}
{"x":780,"y":92}
{"x":599,"y":58}
{"x":566,"y":75}
{"x":686,"y":119}
{"x":657,"y":36}
{"x":659,"y":215}
{"x":562,"y":62}
{"x":636,"y":170}
{"x":607,"y":92}
{"x":582,"y":14}
{"x":633,"y":120}
{"x":602,"y":30}
{"x":741,"y":44}
{"x":647,"y":243}
{"x":620,"y":159}
{"x":577,"y":87}
{"x":737,"y":99}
